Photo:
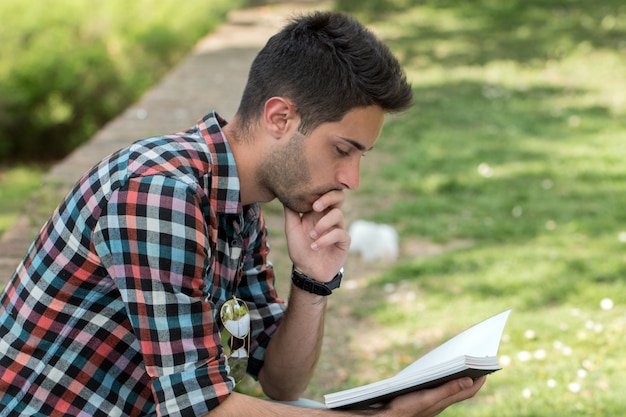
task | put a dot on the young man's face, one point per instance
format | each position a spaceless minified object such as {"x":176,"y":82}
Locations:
{"x":305,"y":168}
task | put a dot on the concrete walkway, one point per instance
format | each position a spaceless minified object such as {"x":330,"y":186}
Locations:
{"x":212,"y":77}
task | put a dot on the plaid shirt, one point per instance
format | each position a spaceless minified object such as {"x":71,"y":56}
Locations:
{"x":113,"y":311}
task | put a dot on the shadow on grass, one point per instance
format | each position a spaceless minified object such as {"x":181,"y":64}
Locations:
{"x":541,"y":197}
{"x":492,"y":30}
{"x":501,"y":170}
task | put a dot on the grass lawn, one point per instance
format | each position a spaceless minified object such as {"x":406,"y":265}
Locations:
{"x":516,"y":147}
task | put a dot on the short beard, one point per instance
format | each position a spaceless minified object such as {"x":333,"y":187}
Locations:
{"x":286,"y":174}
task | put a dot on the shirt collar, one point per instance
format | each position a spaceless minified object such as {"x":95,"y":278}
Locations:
{"x":224,"y":185}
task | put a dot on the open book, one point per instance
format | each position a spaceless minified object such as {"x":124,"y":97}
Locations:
{"x":471,"y":353}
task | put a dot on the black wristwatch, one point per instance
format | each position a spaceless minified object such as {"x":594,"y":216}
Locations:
{"x":308,"y":284}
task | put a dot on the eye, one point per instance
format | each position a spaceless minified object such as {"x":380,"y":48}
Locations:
{"x":342,"y":152}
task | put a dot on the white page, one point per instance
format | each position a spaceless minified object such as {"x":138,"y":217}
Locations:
{"x":483,"y":339}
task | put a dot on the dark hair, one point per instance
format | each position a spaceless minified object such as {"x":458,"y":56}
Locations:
{"x":326,"y":63}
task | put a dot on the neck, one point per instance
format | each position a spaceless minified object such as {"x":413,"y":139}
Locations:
{"x":247,"y":150}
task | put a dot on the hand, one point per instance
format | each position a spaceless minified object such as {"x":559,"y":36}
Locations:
{"x":430,"y":402}
{"x":317,"y":241}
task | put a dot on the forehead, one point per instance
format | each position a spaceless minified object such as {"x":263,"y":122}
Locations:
{"x":361,"y":126}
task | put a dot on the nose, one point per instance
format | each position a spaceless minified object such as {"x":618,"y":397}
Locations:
{"x":349,"y":176}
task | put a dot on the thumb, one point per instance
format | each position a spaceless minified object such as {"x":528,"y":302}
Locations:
{"x":292,"y":218}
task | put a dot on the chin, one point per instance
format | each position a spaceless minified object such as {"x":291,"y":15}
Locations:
{"x":299,"y":206}
{"x":302,"y":208}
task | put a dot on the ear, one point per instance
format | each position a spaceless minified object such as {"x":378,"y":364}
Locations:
{"x":280,"y":117}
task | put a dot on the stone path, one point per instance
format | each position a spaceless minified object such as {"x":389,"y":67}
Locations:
{"x":212,"y":77}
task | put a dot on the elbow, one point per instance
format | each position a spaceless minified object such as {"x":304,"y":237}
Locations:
{"x":279,"y":389}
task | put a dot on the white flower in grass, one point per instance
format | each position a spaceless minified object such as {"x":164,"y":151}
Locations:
{"x":505,"y":360}
{"x":581,"y":373}
{"x":527,"y":393}
{"x":606,"y":303}
{"x":622,"y":237}
{"x":529,"y":334}
{"x":573,"y":387}
{"x":540,"y":354}
{"x":485,"y":170}
{"x":561,"y":347}
{"x":551,"y":383}
{"x":524,"y":356}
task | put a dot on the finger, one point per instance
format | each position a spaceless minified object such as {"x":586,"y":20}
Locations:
{"x":336,"y":237}
{"x":434,"y":401}
{"x":459,"y":390}
{"x":334,"y":198}
{"x":329,"y":221}
{"x":476,"y":386}
{"x":292,"y":218}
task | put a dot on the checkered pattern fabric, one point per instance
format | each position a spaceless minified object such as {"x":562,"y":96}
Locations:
{"x":113,"y":311}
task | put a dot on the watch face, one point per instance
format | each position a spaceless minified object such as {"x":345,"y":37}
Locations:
{"x":336,"y":281}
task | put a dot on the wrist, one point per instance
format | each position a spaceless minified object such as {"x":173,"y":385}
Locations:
{"x":311,"y":285}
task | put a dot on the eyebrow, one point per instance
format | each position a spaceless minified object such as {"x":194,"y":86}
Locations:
{"x":356,"y":144}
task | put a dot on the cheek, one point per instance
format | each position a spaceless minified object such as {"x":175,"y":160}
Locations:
{"x":323,"y":169}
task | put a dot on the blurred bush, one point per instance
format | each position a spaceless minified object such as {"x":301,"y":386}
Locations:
{"x":69,"y":66}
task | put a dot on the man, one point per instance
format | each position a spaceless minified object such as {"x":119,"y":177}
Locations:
{"x":120,"y":305}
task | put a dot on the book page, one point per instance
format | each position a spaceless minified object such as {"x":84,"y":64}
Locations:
{"x":483,"y":339}
{"x":472,"y":353}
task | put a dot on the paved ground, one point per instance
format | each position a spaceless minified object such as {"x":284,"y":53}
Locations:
{"x":212,"y":77}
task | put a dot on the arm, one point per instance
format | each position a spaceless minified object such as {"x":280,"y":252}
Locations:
{"x":426,"y":403}
{"x":152,"y":238}
{"x":318,"y":246}
{"x":295,"y":347}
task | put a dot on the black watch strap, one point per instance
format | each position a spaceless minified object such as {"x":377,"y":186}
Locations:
{"x":308,"y":284}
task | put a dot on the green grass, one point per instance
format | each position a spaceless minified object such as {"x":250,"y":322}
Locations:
{"x":516,"y":144}
{"x":17,"y":185}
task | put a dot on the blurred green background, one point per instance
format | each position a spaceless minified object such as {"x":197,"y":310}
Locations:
{"x":69,"y":66}
{"x":511,"y":162}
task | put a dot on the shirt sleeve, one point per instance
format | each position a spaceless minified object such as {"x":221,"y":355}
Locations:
{"x":154,"y":244}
